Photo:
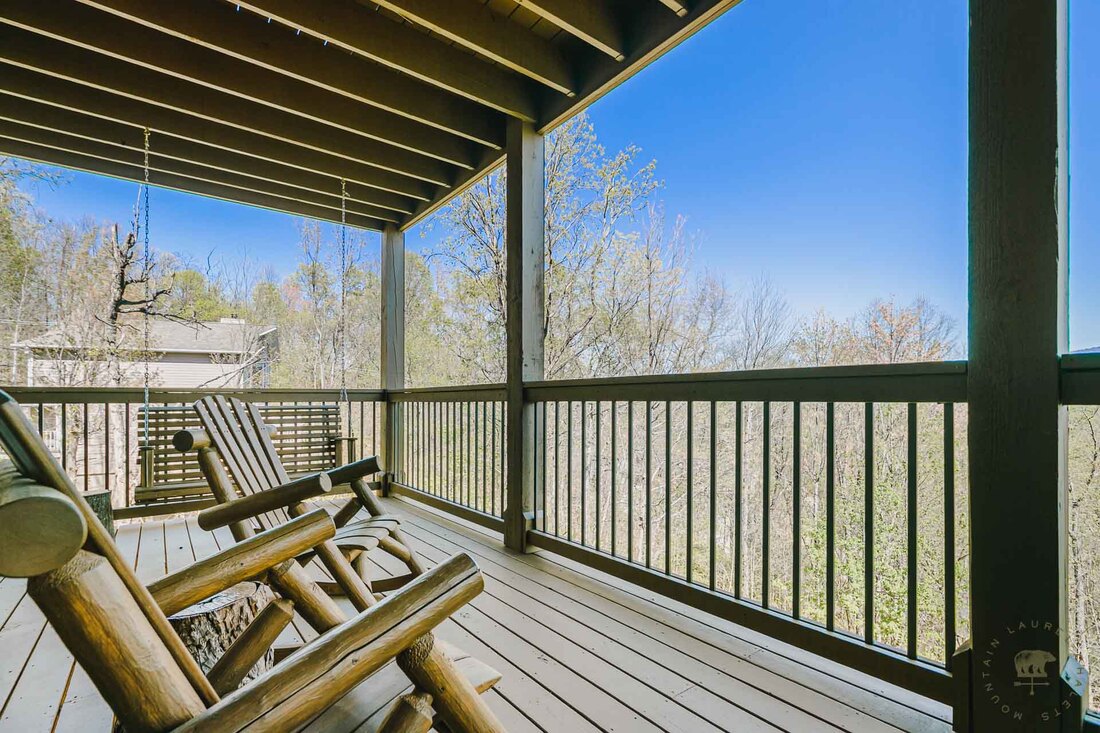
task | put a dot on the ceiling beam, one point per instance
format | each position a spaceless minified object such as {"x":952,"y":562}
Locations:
{"x":367,"y":33}
{"x":167,"y":147}
{"x":381,"y":187}
{"x":126,"y":155}
{"x":387,"y":189}
{"x":64,"y":61}
{"x":471,"y":25}
{"x":97,"y":166}
{"x":215,"y":25}
{"x":653,"y":31}
{"x":592,"y":21}
{"x":680,"y":7}
{"x":140,"y":47}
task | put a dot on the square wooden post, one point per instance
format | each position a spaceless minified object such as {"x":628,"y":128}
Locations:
{"x":525,"y":320}
{"x":1017,"y":330}
{"x":393,"y":344}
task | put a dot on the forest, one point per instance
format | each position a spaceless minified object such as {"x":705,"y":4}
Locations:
{"x":626,"y":294}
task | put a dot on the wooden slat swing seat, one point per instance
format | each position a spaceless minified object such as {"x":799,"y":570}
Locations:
{"x":354,"y":676}
{"x":255,"y":493}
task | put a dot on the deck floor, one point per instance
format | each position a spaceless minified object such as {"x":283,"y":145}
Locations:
{"x":578,"y":650}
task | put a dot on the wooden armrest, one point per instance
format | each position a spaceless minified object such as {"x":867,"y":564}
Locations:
{"x":267,"y":500}
{"x":319,"y":674}
{"x":242,"y":561}
{"x":351,"y":471}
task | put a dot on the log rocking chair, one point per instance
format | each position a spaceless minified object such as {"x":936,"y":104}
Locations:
{"x":255,"y":493}
{"x":355,"y":676}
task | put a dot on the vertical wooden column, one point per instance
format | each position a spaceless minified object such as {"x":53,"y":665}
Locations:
{"x":526,"y":330}
{"x":393,"y":343}
{"x":1017,"y":329}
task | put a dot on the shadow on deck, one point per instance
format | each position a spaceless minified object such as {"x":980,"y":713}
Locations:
{"x":579,"y":650}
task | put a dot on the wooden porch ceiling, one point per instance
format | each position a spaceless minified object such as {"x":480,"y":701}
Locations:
{"x":274,"y":102}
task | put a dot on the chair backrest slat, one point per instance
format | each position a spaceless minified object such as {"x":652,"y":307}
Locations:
{"x":223,"y":422}
{"x":267,"y":444}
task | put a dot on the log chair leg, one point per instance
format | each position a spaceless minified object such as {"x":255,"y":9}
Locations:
{"x":454,"y":698}
{"x":319,"y":611}
{"x":253,"y":643}
{"x":412,"y":714}
{"x":398,"y":546}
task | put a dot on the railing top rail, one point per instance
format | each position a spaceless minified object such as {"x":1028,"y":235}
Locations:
{"x":471,"y":393}
{"x":114,"y":395}
{"x":912,"y":382}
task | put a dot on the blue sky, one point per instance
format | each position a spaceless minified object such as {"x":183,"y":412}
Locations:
{"x":819,"y":142}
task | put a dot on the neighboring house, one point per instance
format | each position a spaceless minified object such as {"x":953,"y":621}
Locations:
{"x":224,"y":353}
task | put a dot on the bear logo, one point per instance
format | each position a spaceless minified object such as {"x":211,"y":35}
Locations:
{"x":1031,"y":667}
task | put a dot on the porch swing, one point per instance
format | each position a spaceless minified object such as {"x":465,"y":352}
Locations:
{"x":308,"y":435}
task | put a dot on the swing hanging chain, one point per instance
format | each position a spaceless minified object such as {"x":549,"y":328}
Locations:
{"x":343,"y":290}
{"x":147,"y":275}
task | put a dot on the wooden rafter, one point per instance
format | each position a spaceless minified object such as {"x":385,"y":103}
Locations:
{"x":60,"y":60}
{"x":114,"y":169}
{"x":593,"y":21}
{"x":348,"y":25}
{"x":42,"y":124}
{"x":65,"y":97}
{"x":215,"y":25}
{"x":473,"y":26}
{"x":141,"y":48}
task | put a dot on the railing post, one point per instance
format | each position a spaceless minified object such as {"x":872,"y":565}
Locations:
{"x":393,"y":344}
{"x":525,"y":324}
{"x":1017,"y":329}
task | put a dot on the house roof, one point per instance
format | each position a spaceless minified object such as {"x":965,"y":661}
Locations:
{"x":227,"y":336}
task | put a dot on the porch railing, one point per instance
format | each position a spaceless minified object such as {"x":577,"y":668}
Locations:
{"x":97,"y":434}
{"x":824,"y":507}
{"x":449,"y":450}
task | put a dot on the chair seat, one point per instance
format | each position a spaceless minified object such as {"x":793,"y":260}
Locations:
{"x":364,"y":534}
{"x":368,"y":706}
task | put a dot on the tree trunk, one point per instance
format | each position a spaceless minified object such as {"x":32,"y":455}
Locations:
{"x":209,"y":627}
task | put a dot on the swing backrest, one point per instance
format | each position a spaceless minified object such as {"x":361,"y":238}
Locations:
{"x":94,"y":601}
{"x":238,"y":433}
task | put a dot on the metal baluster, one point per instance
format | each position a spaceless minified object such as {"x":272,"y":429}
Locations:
{"x":911,"y":542}
{"x":648,"y":483}
{"x":614,"y":477}
{"x":630,"y":481}
{"x":830,"y":515}
{"x":713,"y":492}
{"x":765,"y":560}
{"x":557,"y":469}
{"x":86,"y":467}
{"x":599,"y":472}
{"x":869,"y":522}
{"x":584,"y":472}
{"x":668,"y":487}
{"x":569,"y":470}
{"x":737,"y":488}
{"x":689,"y":543}
{"x":949,"y":530}
{"x":796,"y":513}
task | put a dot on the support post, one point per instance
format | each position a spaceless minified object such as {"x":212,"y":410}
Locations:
{"x":1017,"y":329}
{"x":393,"y":344}
{"x":525,"y":318}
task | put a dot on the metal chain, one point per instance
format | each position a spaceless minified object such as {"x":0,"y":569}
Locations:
{"x":343,"y":289}
{"x":145,"y":264}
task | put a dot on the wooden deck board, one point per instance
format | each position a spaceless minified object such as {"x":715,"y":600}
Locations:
{"x":578,"y":650}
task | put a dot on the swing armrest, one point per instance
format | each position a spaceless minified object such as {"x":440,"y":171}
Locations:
{"x":354,"y":470}
{"x":242,"y":561}
{"x":267,"y":500}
